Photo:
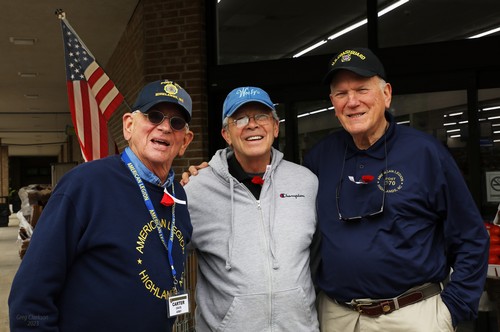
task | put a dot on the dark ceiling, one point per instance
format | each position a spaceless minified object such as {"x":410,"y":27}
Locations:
{"x":266,"y":30}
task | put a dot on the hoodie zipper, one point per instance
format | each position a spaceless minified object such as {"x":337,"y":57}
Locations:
{"x":269,"y":266}
{"x":268,"y":250}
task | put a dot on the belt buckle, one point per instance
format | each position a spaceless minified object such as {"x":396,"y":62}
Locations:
{"x":359,"y":304}
{"x":359,"y":307}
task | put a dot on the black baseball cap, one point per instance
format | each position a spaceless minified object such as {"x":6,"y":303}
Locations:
{"x":361,"y":61}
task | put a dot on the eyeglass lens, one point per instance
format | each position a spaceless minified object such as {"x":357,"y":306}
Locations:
{"x":259,"y":118}
{"x":157,"y":117}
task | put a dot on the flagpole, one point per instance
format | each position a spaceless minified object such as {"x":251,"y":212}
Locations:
{"x":62,"y":16}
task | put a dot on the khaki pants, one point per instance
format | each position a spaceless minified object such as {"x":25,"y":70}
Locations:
{"x":425,"y":316}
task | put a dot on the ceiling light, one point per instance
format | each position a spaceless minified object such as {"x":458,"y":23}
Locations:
{"x":455,"y":136}
{"x":491,"y":108}
{"x":319,"y":111}
{"x":456,"y":114}
{"x":315,"y":112}
{"x":494,"y":117}
{"x":348,"y":29}
{"x":452,"y":130}
{"x":27,"y":75}
{"x":23,"y":41}
{"x":392,"y":7}
{"x":485,"y":33}
{"x":310,"y":48}
{"x":449,"y":124}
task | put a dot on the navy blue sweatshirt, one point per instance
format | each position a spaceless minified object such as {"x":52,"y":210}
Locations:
{"x":95,"y":261}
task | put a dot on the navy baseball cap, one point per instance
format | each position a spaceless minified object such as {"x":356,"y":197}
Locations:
{"x":361,"y":61}
{"x":240,"y":96}
{"x":163,"y":91}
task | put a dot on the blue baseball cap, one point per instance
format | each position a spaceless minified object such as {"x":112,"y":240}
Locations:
{"x":163,"y":91}
{"x":240,"y":96}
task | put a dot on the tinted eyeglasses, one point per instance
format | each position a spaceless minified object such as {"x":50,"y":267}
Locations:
{"x":339,"y":187}
{"x":157,"y":117}
{"x":261,"y":119}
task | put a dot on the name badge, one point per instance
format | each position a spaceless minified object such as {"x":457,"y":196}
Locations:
{"x":178,"y":305}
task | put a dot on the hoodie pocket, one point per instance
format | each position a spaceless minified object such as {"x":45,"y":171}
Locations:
{"x":286,"y":310}
{"x":246,"y":313}
{"x":294,"y":311}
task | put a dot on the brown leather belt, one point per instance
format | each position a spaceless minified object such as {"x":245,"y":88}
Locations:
{"x":375,"y":308}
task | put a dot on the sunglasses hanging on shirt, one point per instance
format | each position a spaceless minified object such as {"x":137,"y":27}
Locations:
{"x":364,"y":181}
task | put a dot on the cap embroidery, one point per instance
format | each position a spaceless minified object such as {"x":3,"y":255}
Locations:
{"x":346,"y":56}
{"x":246,"y":92}
{"x":171,"y":90}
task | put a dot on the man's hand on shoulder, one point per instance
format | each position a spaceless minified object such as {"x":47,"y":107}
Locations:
{"x":192,"y":170}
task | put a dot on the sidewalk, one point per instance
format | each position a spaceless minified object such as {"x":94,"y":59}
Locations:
{"x":9,"y":263}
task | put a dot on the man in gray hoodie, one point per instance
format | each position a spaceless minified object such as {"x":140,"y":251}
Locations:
{"x":253,"y":216}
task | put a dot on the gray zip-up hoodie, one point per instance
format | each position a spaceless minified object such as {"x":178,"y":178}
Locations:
{"x":253,"y":255}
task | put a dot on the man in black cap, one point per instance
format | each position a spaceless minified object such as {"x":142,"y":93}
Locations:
{"x":395,"y":216}
{"x":108,"y":251}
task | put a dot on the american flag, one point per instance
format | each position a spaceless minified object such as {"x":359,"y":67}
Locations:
{"x":93,"y":97}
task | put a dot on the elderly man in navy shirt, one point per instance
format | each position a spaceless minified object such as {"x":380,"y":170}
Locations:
{"x":403,"y":243}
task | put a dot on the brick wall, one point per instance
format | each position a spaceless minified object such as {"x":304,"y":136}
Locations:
{"x":164,"y":39}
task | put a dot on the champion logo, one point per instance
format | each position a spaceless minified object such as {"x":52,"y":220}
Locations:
{"x":291,"y":196}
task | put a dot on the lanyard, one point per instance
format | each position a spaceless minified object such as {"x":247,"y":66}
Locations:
{"x":154,"y":216}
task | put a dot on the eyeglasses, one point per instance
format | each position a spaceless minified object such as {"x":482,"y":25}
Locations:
{"x":261,"y":119}
{"x":367,"y":215}
{"x":339,"y":186}
{"x":157,"y":117}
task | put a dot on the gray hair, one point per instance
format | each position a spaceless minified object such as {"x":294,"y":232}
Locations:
{"x":382,"y":83}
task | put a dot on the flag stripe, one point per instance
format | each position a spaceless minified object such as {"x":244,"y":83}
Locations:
{"x":97,"y":134}
{"x":104,"y":90}
{"x":72,"y":108}
{"x":85,"y":119}
{"x":96,"y":78}
{"x":103,"y":137}
{"x":112,"y":100}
